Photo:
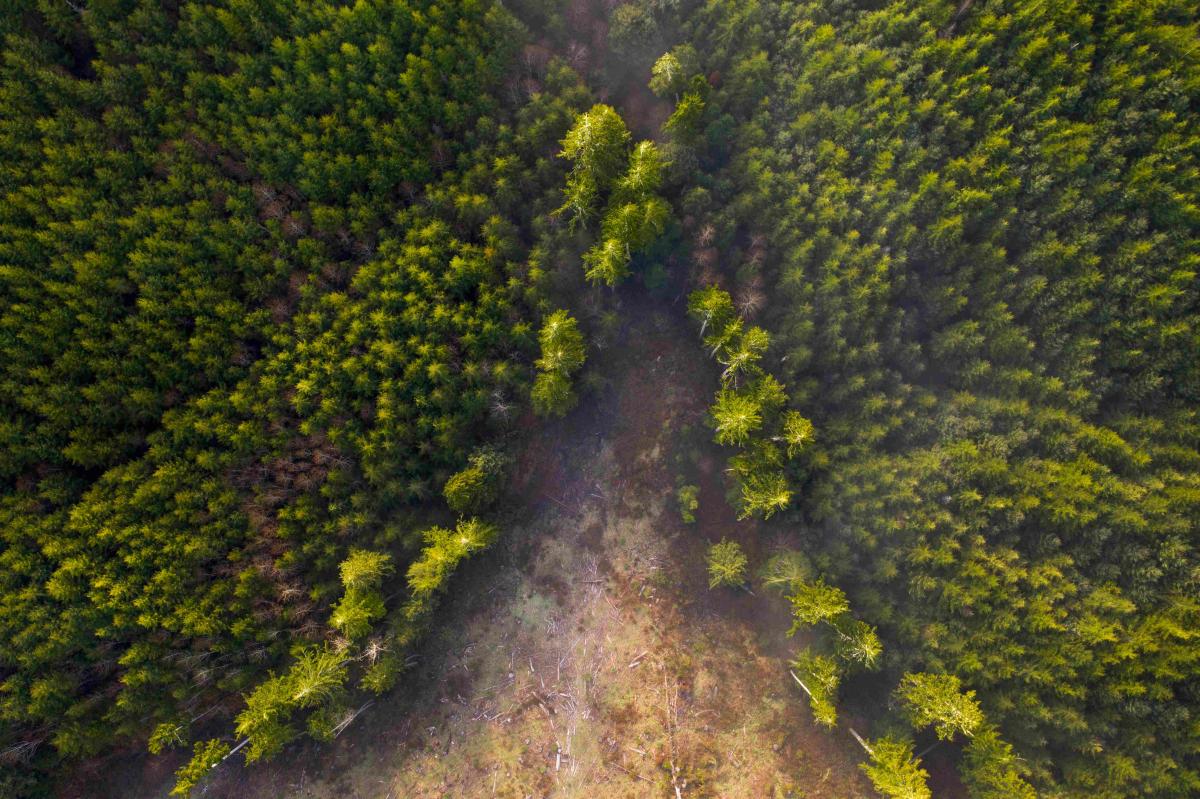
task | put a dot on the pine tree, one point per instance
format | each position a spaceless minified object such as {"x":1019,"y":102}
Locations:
{"x":893,"y":770}
{"x":726,"y":564}
{"x":938,"y":699}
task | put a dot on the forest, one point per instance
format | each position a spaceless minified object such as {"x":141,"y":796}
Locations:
{"x":293,"y":294}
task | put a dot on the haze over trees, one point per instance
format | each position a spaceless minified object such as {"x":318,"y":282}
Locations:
{"x":283,"y":286}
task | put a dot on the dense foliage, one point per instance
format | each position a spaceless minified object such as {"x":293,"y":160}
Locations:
{"x":726,"y":564}
{"x":563,"y":354}
{"x":750,"y":411}
{"x":972,"y":232}
{"x":278,"y":281}
{"x":603,"y":168}
{"x":265,"y":285}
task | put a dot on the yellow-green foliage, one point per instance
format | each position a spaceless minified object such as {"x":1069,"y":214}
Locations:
{"x":474,"y":488}
{"x":973,"y":235}
{"x":361,"y":604}
{"x":266,"y":279}
{"x":563,"y":354}
{"x":816,"y":602}
{"x":894,"y":771}
{"x":726,"y":564}
{"x":821,"y":675}
{"x":634,"y":213}
{"x":205,"y":756}
{"x":938,"y":699}
{"x":993,"y":770}
{"x":443,"y":551}
{"x":750,"y":408}
{"x":688,"y":497}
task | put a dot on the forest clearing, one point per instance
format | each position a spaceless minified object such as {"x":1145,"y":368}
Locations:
{"x":573,"y":398}
{"x":592,"y":656}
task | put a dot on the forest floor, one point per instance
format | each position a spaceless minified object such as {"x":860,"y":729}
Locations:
{"x":584,"y":655}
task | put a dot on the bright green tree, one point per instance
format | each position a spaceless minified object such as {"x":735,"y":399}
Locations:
{"x":563,"y":354}
{"x":553,"y":394}
{"x":938,"y":699}
{"x":206,"y":756}
{"x":797,"y":433}
{"x":816,"y":602}
{"x":561,"y":344}
{"x":741,"y":356}
{"x":726,"y":564}
{"x":474,"y":488}
{"x":857,"y":642}
{"x":684,"y":124}
{"x":712,"y":307}
{"x":819,"y":676}
{"x":673,"y":70}
{"x":597,"y":144}
{"x":361,"y":604}
{"x":643,"y":177}
{"x":894,"y":771}
{"x":764,"y":493}
{"x":735,"y":415}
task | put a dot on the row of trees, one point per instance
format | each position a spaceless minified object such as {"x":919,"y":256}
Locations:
{"x":844,"y":644}
{"x":627,"y":182}
{"x":316,"y":685}
{"x":750,"y":411}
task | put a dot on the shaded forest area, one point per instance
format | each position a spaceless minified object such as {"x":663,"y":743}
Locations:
{"x":267,"y":285}
{"x":286,"y":287}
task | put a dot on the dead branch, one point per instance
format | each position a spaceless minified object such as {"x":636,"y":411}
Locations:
{"x":861,"y":742}
{"x":800,"y":683}
{"x":963,"y":8}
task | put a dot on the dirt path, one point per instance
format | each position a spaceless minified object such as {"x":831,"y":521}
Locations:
{"x":584,"y":655}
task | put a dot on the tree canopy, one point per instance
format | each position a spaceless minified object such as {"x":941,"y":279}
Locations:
{"x":970,"y":232}
{"x":268,"y":279}
{"x":281,"y":282}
